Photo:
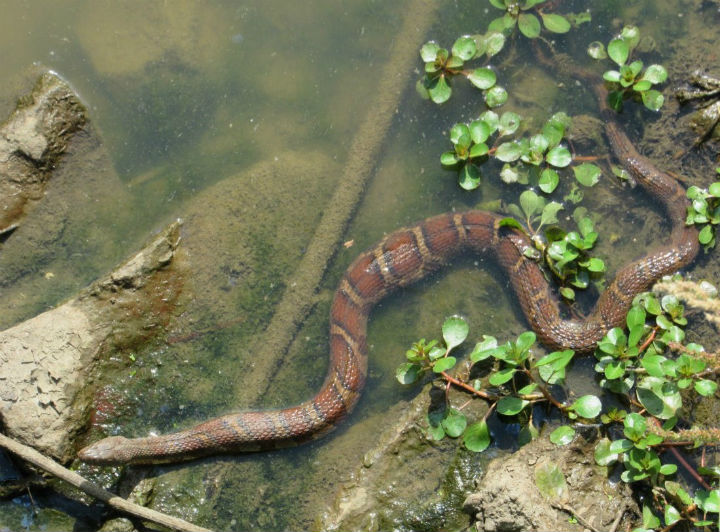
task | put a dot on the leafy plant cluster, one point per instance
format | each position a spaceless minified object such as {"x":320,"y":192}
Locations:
{"x":649,"y":371}
{"x":704,"y":210}
{"x":630,"y":81}
{"x":441,"y":65}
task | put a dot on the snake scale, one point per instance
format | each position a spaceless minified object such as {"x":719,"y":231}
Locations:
{"x":402,"y":258}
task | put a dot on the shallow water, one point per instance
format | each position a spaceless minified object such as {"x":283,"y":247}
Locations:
{"x":187,"y":97}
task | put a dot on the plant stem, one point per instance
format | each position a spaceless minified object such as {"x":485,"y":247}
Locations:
{"x":460,"y":384}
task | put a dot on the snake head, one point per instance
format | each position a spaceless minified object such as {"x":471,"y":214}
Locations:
{"x":108,"y":451}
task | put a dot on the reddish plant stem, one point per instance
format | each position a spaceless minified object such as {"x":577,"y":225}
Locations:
{"x":460,"y":384}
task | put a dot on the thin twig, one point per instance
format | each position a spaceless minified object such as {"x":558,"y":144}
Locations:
{"x":31,"y":455}
{"x":467,"y":387}
{"x":580,"y":519}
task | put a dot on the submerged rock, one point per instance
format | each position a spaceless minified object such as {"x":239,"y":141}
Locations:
{"x":45,"y":362}
{"x":31,"y":141}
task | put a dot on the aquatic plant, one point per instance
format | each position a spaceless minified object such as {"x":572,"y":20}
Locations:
{"x":630,"y":80}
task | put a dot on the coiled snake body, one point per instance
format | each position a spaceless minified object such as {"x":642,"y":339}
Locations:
{"x":402,"y":258}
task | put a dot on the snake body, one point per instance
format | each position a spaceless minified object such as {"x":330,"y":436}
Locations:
{"x":402,"y":258}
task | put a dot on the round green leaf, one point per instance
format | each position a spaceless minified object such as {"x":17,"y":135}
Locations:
{"x":509,"y":123}
{"x":596,"y":50}
{"x":550,"y":481}
{"x":464,"y":48}
{"x":455,"y":330}
{"x":480,"y":131}
{"x":655,"y":74}
{"x":458,"y":132}
{"x":526,"y":339}
{"x":454,"y":424}
{"x":705,"y":387}
{"x":553,"y":132}
{"x":509,"y":406}
{"x":714,"y":189}
{"x":508,"y":152}
{"x":659,"y":397}
{"x":495,"y":41}
{"x":531,"y":203}
{"x":634,"y":426}
{"x":587,"y":174}
{"x":477,"y":437}
{"x":642,"y":85}
{"x":613,"y":76}
{"x":555,"y":23}
{"x":449,"y":158}
{"x":444,"y":364}
{"x":587,"y":406}
{"x":562,"y":435}
{"x":529,"y":25}
{"x":672,"y":515}
{"x":483,"y":78}
{"x":559,"y":157}
{"x":549,"y":180}
{"x":429,"y":51}
{"x":618,"y":51}
{"x":469,"y":177}
{"x":653,"y":99}
{"x":568,"y":293}
{"x":549,"y":213}
{"x":495,"y":97}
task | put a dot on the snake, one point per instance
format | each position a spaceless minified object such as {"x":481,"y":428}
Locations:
{"x":400,"y":259}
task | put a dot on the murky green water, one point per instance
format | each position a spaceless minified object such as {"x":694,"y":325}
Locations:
{"x":187,"y":97}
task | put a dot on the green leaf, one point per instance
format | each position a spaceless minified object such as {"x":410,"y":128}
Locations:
{"x":562,"y":435}
{"x":603,"y":455}
{"x":568,"y":293}
{"x":511,"y":222}
{"x":587,"y":174}
{"x":549,"y":180}
{"x":509,"y":123}
{"x":596,"y":50}
{"x":498,"y":3}
{"x":464,"y":48}
{"x":660,"y":398}
{"x":559,"y":157}
{"x":668,"y":469}
{"x":550,"y":481}
{"x":479,"y":131}
{"x":655,"y":74}
{"x":502,"y":376}
{"x":482,"y":350}
{"x":555,"y":23}
{"x":529,"y":25}
{"x":615,"y":100}
{"x":454,"y":423}
{"x":705,"y":387}
{"x":477,"y":437}
{"x":508,"y":152}
{"x":525,"y":341}
{"x":618,"y":51}
{"x":408,"y":373}
{"x":672,"y":515}
{"x":631,"y":35}
{"x":495,"y":41}
{"x":549,"y":213}
{"x":495,"y":97}
{"x":444,"y":364}
{"x":469,"y":177}
{"x":429,"y":51}
{"x":650,"y":521}
{"x":708,"y":501}
{"x":642,"y":85}
{"x":478,"y":150}
{"x":483,"y":78}
{"x":509,"y":406}
{"x":706,"y":235}
{"x":455,"y":330}
{"x":439,"y":90}
{"x":653,"y":99}
{"x":636,"y":316}
{"x":587,"y":406}
{"x":553,"y":133}
{"x":531,"y":203}
{"x":635,"y":426}
{"x":449,"y":158}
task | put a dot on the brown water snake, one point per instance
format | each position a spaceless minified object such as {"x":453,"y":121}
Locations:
{"x":404,"y":257}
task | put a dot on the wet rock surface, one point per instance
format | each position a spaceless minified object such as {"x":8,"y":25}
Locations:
{"x":46,"y":362}
{"x":514,"y":494}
